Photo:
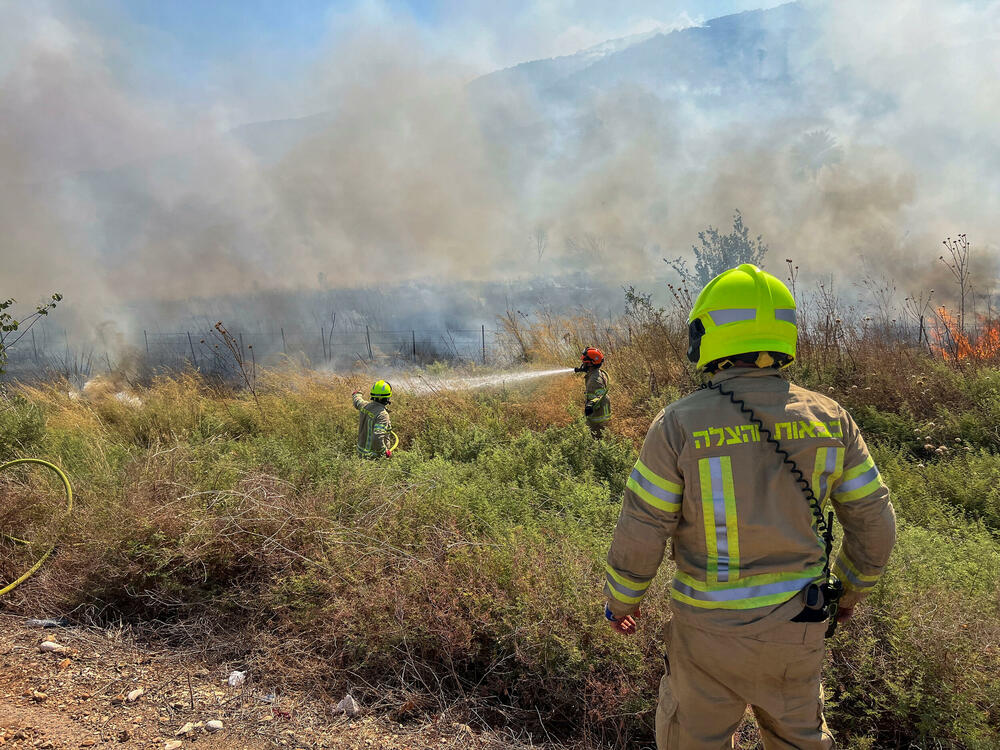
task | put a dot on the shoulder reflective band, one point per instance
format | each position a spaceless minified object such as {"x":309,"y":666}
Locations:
{"x":732,"y":315}
{"x":654,"y":489}
{"x":754,"y":591}
{"x":785,"y":314}
{"x":848,"y":573}
{"x":625,"y":589}
{"x":858,"y":482}
{"x":718,"y":501}
{"x":829,"y":467}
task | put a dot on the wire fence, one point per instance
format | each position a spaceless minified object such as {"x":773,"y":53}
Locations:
{"x":205,"y":350}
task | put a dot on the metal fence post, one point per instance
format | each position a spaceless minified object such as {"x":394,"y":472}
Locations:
{"x":194,"y":356}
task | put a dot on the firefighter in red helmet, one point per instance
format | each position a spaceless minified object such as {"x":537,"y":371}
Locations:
{"x":597,"y":405}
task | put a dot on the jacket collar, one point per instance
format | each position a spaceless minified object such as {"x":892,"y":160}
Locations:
{"x":743,"y":372}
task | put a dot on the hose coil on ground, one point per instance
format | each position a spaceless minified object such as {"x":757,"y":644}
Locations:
{"x":67,"y":487}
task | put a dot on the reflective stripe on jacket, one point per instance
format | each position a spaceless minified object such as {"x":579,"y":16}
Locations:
{"x":743,"y":535}
{"x":373,"y":428}
{"x":596,"y":386}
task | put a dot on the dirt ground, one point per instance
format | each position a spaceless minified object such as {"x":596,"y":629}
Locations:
{"x":102,"y":690}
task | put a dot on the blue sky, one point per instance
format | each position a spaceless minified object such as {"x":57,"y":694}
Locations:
{"x":193,"y":38}
{"x":235,"y":61}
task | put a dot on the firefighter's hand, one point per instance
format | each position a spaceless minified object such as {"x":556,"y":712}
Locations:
{"x":625,"y":625}
{"x":588,"y":410}
{"x":844,"y":614}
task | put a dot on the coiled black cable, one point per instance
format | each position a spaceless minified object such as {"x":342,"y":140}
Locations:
{"x":824,"y":525}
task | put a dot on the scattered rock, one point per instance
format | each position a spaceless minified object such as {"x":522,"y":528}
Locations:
{"x":60,"y":623}
{"x":184,"y":730}
{"x":214,"y":725}
{"x":135,"y":694}
{"x":348,"y":706}
{"x":237,"y":678}
{"x":38,"y":696}
{"x":173,"y":745}
{"x":51,"y":647}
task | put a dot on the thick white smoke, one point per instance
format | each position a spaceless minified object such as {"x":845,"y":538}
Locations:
{"x":868,"y":135}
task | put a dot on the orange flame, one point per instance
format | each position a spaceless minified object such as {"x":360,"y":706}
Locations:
{"x":955,"y":344}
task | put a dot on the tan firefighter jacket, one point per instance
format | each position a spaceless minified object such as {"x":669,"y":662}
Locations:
{"x":596,"y":387}
{"x":374,"y":428}
{"x":740,"y":529}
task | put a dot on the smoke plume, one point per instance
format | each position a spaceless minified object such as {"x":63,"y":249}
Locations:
{"x":849,"y":137}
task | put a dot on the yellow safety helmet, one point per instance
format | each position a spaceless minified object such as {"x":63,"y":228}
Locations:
{"x":381,"y":389}
{"x":742,"y":310}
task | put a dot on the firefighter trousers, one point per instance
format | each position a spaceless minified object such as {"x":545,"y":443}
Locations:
{"x":711,"y":678}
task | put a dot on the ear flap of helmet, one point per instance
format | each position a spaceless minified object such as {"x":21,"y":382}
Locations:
{"x":696,"y":329}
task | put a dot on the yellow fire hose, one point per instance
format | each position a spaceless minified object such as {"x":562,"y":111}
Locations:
{"x":69,"y":507}
{"x":393,"y":448}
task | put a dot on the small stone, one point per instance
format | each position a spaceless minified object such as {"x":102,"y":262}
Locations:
{"x":63,"y":664}
{"x":186,"y":729}
{"x":237,"y":678}
{"x":135,"y":694}
{"x":348,"y":706}
{"x":214,"y":725}
{"x":51,"y":647}
{"x":173,"y":745}
{"x":38,"y":695}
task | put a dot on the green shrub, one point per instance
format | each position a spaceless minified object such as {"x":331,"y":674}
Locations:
{"x":919,"y":665}
{"x":22,"y":426}
{"x":472,"y":562}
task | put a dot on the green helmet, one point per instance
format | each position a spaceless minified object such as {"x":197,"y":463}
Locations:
{"x":741,"y":310}
{"x":381,"y":389}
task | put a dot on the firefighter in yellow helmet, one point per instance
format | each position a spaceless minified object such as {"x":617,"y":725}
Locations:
{"x":596,"y":405}
{"x":374,"y":426}
{"x":750,"y":528}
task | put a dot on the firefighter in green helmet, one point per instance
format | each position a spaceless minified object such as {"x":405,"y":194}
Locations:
{"x":374,"y":426}
{"x":750,"y":528}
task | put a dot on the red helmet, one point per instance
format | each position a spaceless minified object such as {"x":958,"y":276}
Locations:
{"x":592,"y":356}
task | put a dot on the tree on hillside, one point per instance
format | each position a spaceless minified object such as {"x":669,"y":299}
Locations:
{"x":540,"y":237}
{"x":719,"y":252}
{"x":13,"y":330}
